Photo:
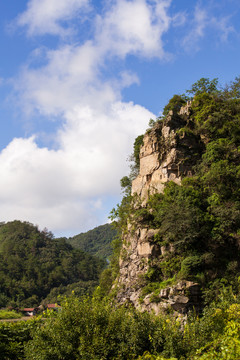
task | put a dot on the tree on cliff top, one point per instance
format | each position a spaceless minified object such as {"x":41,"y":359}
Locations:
{"x":204,"y":85}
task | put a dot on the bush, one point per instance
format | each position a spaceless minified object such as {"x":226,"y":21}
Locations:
{"x":91,"y":329}
{"x":148,"y":356}
{"x":190,"y":265}
{"x":174,"y":104}
{"x":13,"y":336}
{"x":5,"y":314}
{"x":225,"y":346}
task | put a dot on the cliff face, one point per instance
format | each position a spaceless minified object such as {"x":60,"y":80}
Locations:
{"x":168,"y":153}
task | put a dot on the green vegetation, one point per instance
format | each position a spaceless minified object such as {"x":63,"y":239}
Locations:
{"x":136,"y":149}
{"x":94,"y":329}
{"x":175,"y":104}
{"x":13,"y":338}
{"x":126,"y":181}
{"x":7,"y":314}
{"x":206,"y":86}
{"x":95,"y":242}
{"x":33,"y":264}
{"x":197,"y":221}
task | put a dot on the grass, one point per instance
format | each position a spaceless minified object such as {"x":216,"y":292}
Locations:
{"x":6,"y":314}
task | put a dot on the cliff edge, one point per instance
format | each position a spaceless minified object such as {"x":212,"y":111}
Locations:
{"x":168,"y":153}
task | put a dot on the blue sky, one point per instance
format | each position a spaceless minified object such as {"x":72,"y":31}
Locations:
{"x":80,"y":79}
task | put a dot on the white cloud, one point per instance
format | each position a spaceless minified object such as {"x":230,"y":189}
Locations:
{"x":179,"y":19}
{"x":60,"y":84}
{"x":224,"y":27}
{"x":73,"y":73}
{"x":126,"y":27}
{"x":134,"y":27}
{"x":205,"y":21}
{"x":45,"y":16}
{"x":200,"y":21}
{"x":64,"y":188}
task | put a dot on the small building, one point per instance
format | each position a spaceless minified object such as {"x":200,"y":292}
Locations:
{"x":55,"y":307}
{"x":28,"y":311}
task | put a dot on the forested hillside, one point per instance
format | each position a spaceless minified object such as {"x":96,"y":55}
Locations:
{"x":35,"y":266}
{"x":95,"y":242}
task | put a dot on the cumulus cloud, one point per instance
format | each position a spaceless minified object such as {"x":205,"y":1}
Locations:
{"x":60,"y":188}
{"x":45,"y":16}
{"x":59,"y":85}
{"x":134,"y":27}
{"x":64,"y":188}
{"x":73,"y":72}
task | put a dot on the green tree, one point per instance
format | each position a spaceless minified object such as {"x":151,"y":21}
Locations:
{"x":204,"y":85}
{"x":174,"y":104}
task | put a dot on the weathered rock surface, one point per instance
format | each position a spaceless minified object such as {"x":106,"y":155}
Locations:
{"x":167,"y":154}
{"x":181,"y":297}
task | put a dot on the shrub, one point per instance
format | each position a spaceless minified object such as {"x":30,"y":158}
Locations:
{"x":5,"y":314}
{"x":89,"y":329}
{"x":190,"y":265}
{"x":13,"y":336}
{"x":225,"y":346}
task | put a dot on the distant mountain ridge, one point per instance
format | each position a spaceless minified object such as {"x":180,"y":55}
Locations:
{"x":96,"y":241}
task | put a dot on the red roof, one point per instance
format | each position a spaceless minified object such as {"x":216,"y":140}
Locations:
{"x":28,"y":309}
{"x":50,"y":306}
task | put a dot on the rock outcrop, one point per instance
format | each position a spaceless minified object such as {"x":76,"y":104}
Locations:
{"x":168,"y":153}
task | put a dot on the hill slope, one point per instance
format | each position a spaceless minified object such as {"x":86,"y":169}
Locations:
{"x":95,"y":242}
{"x":32,"y":264}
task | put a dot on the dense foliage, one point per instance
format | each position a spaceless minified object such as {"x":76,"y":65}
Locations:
{"x":13,"y":338}
{"x":199,"y":219}
{"x":93,"y":329}
{"x":95,"y":242}
{"x":32,"y":264}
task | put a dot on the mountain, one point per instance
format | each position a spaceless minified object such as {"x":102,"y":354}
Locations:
{"x":95,"y":242}
{"x":34,"y":266}
{"x":180,"y":218}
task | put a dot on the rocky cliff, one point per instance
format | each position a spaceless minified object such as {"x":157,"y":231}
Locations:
{"x":168,"y":153}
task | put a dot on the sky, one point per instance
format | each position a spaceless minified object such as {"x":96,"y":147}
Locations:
{"x":79,"y":81}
